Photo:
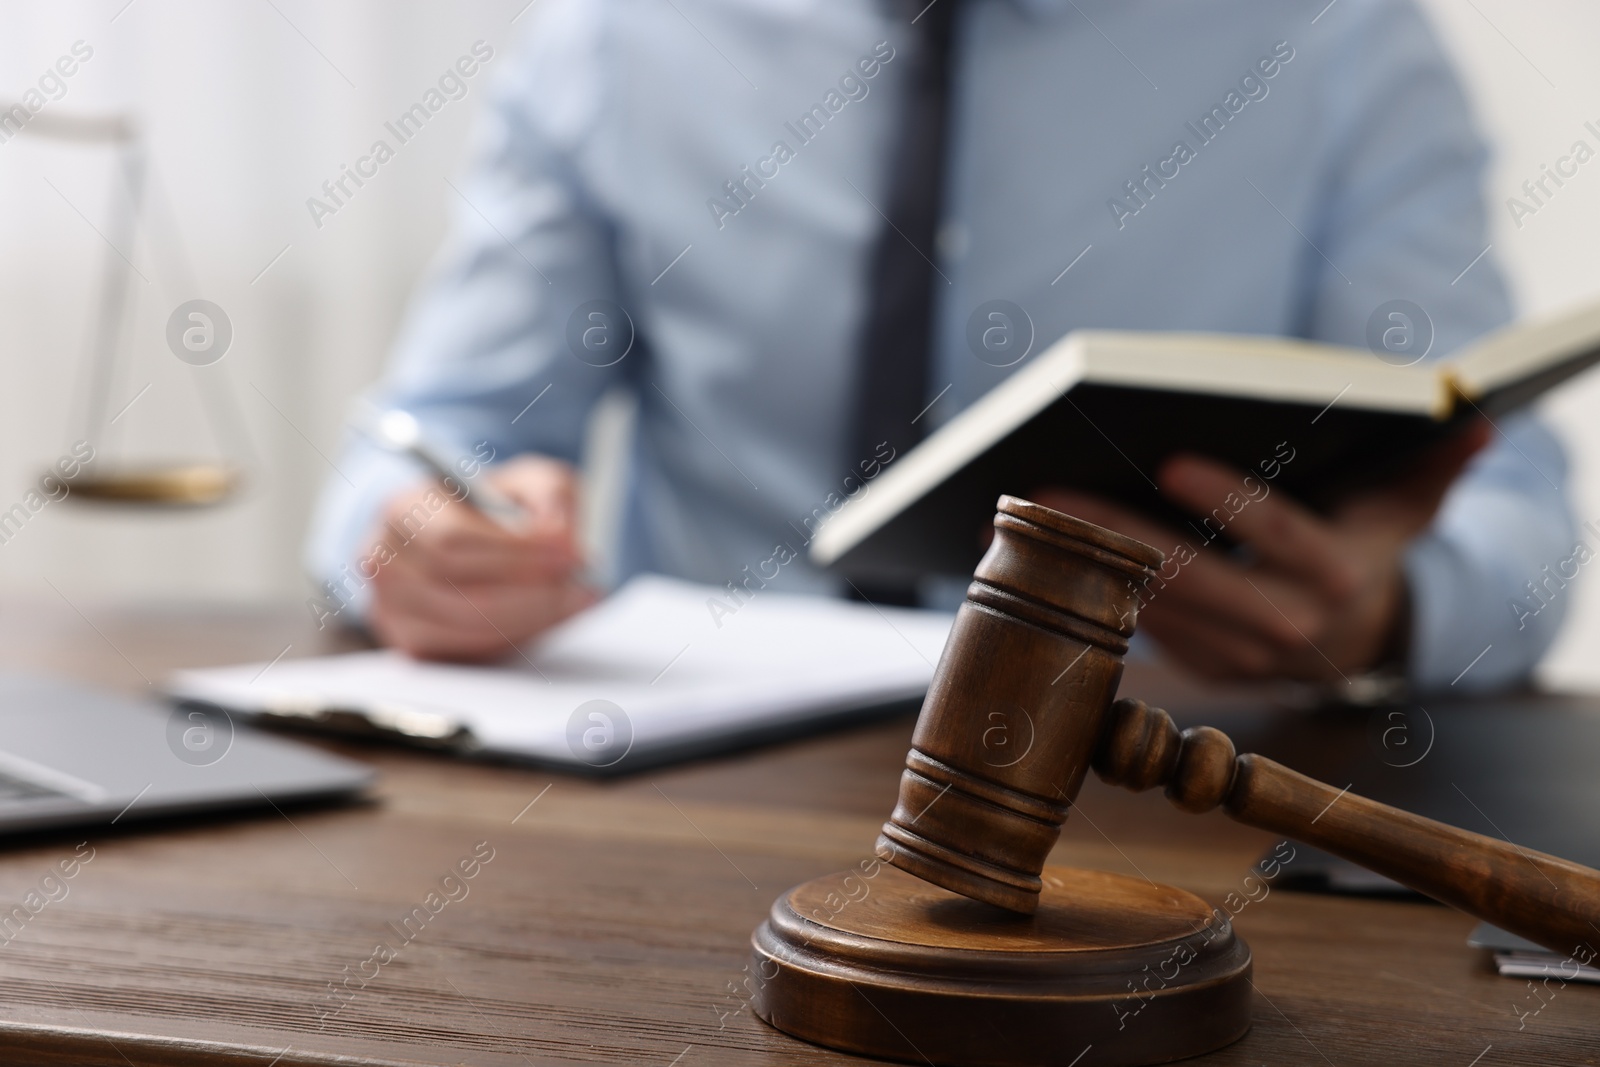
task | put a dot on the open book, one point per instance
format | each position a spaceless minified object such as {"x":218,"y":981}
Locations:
{"x":660,"y":670}
{"x":1101,"y":409}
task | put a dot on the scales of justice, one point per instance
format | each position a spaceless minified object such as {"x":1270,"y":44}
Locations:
{"x":109,"y":478}
{"x":968,"y":951}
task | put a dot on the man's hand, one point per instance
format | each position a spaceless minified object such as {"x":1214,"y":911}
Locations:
{"x":1314,"y":598}
{"x":453,"y":584}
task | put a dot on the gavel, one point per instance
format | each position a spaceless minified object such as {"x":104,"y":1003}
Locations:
{"x":1036,"y":654}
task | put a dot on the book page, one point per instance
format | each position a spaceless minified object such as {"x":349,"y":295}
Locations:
{"x":1524,"y":349}
{"x":1265,"y":368}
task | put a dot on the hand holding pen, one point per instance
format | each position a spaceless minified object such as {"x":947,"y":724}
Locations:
{"x":474,"y":567}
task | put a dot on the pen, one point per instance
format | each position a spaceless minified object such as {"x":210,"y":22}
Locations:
{"x":398,"y":431}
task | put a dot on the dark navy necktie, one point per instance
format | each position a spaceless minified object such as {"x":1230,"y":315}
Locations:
{"x":896,"y":339}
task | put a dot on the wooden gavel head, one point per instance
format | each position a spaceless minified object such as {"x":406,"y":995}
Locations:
{"x":1018,"y":704}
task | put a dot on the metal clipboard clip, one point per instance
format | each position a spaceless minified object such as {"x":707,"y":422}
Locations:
{"x":407,"y":725}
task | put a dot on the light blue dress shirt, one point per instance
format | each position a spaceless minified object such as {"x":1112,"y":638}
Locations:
{"x":632,"y":155}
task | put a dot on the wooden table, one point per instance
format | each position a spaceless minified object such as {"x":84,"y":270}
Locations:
{"x":612,"y":923}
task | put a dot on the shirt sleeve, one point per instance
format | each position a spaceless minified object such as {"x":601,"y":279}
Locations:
{"x":488,"y":358}
{"x":1485,"y":606}
{"x":1405,"y":220}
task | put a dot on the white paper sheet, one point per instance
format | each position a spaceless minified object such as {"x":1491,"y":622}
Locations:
{"x":679,"y":671}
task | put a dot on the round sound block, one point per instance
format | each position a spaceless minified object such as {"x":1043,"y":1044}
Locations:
{"x":1110,"y":971}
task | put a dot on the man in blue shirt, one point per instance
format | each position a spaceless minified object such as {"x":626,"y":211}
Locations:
{"x":707,"y":176}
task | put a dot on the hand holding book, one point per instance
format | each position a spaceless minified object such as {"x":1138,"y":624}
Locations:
{"x":1301,"y":595}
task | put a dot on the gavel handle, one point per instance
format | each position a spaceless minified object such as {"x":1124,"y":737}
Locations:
{"x":1547,"y":900}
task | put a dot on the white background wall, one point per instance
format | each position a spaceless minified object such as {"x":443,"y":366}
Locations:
{"x":249,"y":105}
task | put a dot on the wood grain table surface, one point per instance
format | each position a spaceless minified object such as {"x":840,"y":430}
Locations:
{"x":610,"y":923}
